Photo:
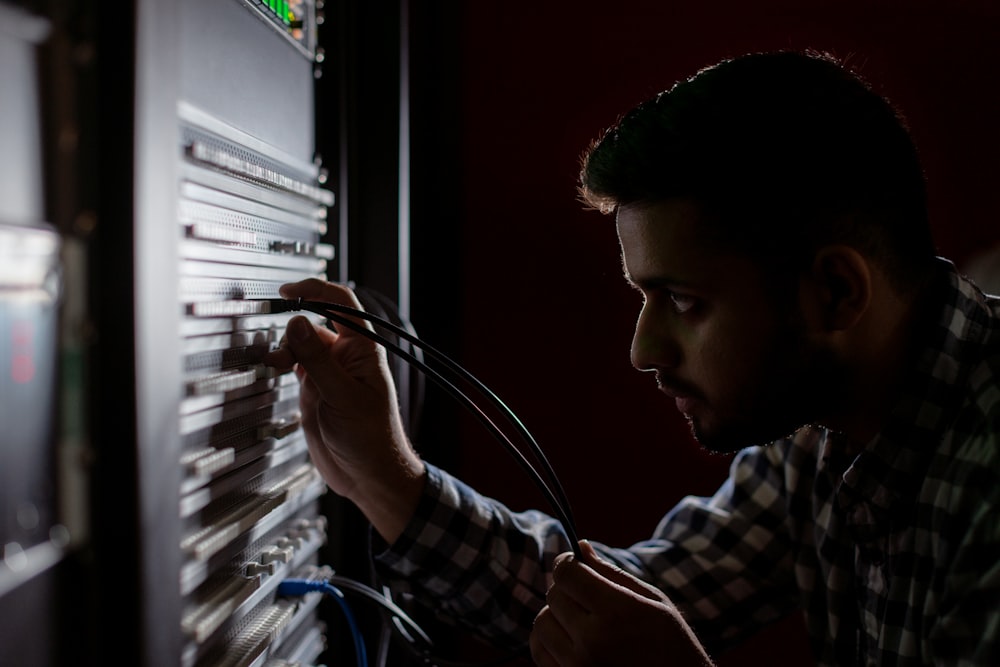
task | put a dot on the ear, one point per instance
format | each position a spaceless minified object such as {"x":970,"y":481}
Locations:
{"x":839,"y":284}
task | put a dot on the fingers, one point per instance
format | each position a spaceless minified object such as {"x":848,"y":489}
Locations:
{"x":598,"y":614}
{"x":573,"y":579}
{"x":280,"y":359}
{"x":309,"y":405}
{"x":589,"y":553}
{"x":566,"y":598}
{"x":617,"y":575}
{"x":310,"y":348}
{"x":310,"y":289}
{"x":595,"y":582}
{"x":314,"y":289}
{"x":549,"y":642}
{"x":566,"y":617}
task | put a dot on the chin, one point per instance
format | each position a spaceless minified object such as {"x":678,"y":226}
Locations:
{"x":732,"y":438}
{"x":714,"y":441}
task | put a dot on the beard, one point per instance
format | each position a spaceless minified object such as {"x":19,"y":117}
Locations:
{"x":795,"y":383}
{"x":732,"y":437}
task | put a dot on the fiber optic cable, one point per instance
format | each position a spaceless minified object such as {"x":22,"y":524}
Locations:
{"x":337,"y":313}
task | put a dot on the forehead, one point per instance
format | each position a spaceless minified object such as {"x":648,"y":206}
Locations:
{"x":667,"y":240}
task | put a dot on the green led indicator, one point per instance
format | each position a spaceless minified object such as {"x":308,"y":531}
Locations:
{"x":286,"y":14}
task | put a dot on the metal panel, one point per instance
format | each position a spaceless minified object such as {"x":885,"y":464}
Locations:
{"x":33,"y":541}
{"x":228,"y":205}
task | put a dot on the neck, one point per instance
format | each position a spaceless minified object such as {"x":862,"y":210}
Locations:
{"x":879,"y":354}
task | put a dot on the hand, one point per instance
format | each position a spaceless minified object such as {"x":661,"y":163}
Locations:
{"x":350,"y":413}
{"x":600,"y":616}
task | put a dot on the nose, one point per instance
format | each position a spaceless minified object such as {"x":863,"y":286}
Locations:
{"x":654,"y":344}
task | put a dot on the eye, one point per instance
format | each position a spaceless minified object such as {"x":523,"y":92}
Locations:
{"x":682,"y":303}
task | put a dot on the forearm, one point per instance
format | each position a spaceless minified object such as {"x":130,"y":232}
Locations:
{"x":389,"y":499}
{"x":474,"y":560}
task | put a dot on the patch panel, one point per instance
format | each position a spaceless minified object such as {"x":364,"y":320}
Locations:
{"x":249,"y":219}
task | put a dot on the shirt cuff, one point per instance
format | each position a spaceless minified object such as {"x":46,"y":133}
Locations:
{"x":432,"y":502}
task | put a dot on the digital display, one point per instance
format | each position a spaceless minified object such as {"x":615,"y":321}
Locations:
{"x":295,"y":18}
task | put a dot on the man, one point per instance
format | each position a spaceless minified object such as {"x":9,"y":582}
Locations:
{"x":771,"y":211}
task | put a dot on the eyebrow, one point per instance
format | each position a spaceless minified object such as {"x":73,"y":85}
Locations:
{"x":655,"y":283}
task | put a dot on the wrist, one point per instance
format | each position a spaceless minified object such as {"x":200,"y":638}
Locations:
{"x":389,"y":498}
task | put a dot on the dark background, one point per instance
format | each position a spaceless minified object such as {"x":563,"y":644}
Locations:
{"x":523,"y":286}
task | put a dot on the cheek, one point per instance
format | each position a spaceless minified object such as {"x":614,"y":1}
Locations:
{"x":740,"y":361}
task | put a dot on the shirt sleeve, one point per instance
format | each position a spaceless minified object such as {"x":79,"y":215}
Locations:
{"x":473,"y":560}
{"x":487,"y":568}
{"x":729,"y":561}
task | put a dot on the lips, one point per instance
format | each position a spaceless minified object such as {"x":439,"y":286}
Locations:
{"x":685,"y":405}
{"x":684,"y":397}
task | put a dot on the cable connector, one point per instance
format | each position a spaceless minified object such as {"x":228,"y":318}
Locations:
{"x":299,"y":587}
{"x":283,"y":305}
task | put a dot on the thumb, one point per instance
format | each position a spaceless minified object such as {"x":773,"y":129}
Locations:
{"x":313,"y":353}
{"x":616,"y":574}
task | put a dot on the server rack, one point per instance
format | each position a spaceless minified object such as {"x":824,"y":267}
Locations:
{"x":33,"y":540}
{"x":227,"y":204}
{"x":184,"y":180}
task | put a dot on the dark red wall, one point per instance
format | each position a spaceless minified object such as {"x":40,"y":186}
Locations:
{"x":524,"y":286}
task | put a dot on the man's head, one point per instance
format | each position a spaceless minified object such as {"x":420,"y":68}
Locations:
{"x":771,"y":210}
{"x":785,"y":151}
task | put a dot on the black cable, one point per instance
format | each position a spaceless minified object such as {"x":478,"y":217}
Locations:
{"x":558,"y":500}
{"x":402,"y":622}
{"x":347,"y":584}
{"x":333,"y":312}
{"x":388,"y":310}
{"x":333,"y":585}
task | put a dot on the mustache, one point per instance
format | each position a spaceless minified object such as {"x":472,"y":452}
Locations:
{"x":676,"y":387}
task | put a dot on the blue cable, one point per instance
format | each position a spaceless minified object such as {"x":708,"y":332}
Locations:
{"x":411,"y":632}
{"x":298,"y":587}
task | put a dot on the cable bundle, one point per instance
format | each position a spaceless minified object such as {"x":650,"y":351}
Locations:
{"x":416,"y":641}
{"x":551,"y":488}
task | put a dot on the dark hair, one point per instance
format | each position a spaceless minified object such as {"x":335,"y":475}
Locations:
{"x":785,"y":151}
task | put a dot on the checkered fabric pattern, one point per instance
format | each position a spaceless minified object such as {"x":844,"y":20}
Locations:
{"x":892,"y":554}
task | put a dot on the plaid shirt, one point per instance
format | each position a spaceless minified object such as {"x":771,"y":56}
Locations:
{"x":893,"y":555}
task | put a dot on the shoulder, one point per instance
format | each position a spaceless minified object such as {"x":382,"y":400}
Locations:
{"x":968,"y":454}
{"x":962,"y":480}
{"x":787,"y":466}
{"x":968,"y":460}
